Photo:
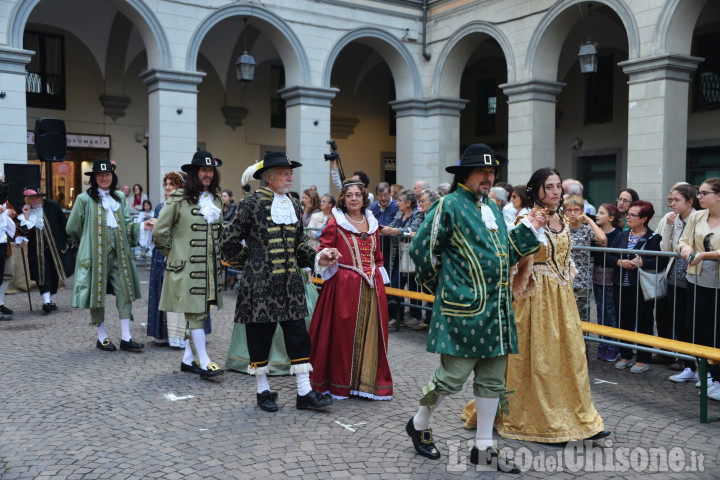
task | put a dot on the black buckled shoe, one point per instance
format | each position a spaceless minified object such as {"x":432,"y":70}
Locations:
{"x":266,"y":401}
{"x":5,"y":311}
{"x":600,"y":435}
{"x":422,"y":441}
{"x":53,"y":306}
{"x":47,"y":307}
{"x":493,"y":455}
{"x":106,"y":345}
{"x":131,"y":346}
{"x":212,"y":370}
{"x":194,"y":368}
{"x":313,"y":400}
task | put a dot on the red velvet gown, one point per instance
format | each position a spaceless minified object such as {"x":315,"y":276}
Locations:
{"x":349,"y":328}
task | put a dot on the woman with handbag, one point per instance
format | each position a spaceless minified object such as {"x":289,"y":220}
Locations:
{"x":627,"y":292}
{"x":403,"y":227}
{"x":699,"y":245}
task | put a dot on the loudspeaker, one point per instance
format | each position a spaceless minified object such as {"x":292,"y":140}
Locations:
{"x":50,"y":139}
{"x":19,"y":176}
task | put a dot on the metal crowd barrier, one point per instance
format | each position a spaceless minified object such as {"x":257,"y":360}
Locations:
{"x":404,"y":292}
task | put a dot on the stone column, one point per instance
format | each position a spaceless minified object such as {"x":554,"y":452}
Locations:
{"x":13,"y":110}
{"x":307,"y":111}
{"x":428,"y":139}
{"x":531,"y":127}
{"x":657,"y":124}
{"x":172,"y":123}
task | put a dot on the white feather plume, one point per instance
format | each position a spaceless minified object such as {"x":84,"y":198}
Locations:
{"x":247,"y":175}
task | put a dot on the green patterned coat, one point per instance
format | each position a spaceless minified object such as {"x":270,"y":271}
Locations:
{"x":467,"y":267}
{"x":87,"y":226}
{"x":193,"y":269}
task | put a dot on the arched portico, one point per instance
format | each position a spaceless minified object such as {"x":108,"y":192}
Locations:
{"x":543,"y":53}
{"x":674,"y":22}
{"x":142,"y":17}
{"x":283,"y":38}
{"x":393,"y":51}
{"x":456,"y":52}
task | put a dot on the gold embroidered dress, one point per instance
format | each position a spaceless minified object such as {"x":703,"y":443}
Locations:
{"x":552,"y":401}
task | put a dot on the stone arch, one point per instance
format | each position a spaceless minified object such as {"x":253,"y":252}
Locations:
{"x":456,"y":52}
{"x":673,"y":31}
{"x":287,"y":43}
{"x":404,"y":70}
{"x":142,"y":17}
{"x":546,"y":42}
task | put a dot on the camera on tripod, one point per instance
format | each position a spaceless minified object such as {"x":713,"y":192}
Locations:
{"x":329,"y":157}
{"x":334,"y":156}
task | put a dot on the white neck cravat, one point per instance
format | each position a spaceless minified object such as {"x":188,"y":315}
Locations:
{"x":207,"y":208}
{"x":110,"y":205}
{"x":282,"y":210}
{"x":36,"y":218}
{"x":488,"y":217}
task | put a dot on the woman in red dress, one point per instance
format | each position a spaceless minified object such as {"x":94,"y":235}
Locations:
{"x":349,"y":328}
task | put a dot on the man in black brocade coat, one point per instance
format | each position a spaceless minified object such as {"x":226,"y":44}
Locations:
{"x":42,"y":225}
{"x":271,"y":288}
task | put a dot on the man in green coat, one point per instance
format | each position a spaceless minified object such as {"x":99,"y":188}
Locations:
{"x":463,"y":254}
{"x":187,"y":232}
{"x":100,"y":225}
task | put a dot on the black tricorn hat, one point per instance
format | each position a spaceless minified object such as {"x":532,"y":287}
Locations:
{"x":101,"y":166}
{"x":275,"y":159}
{"x":202,"y":158}
{"x":477,"y":155}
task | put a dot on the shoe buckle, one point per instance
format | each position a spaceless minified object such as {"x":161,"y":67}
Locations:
{"x":213,"y":367}
{"x":426,"y":436}
{"x":105,"y":342}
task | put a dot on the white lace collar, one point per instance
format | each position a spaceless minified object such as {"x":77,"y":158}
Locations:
{"x":282,"y":210}
{"x":342,"y":220}
{"x":207,"y":207}
{"x":35,"y":219}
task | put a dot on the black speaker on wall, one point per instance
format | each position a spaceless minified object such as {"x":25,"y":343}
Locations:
{"x":20,"y":176}
{"x":50,"y":139}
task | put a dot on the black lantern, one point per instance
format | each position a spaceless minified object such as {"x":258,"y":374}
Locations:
{"x":588,"y":54}
{"x":588,"y":58}
{"x":245,"y":64}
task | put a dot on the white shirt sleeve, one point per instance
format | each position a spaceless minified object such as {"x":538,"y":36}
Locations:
{"x":335,"y":174}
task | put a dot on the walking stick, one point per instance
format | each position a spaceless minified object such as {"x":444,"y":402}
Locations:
{"x":27,"y":280}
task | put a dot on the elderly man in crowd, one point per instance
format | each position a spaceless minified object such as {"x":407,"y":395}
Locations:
{"x":420,"y":185}
{"x":574,"y":187}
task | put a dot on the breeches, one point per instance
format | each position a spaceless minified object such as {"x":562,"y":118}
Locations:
{"x":260,"y":335}
{"x":489,"y":380}
{"x":122,"y":301}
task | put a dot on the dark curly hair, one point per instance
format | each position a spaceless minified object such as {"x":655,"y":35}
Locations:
{"x":536,"y":185}
{"x":93,"y":188}
{"x":194,"y":187}
{"x":352,"y":183}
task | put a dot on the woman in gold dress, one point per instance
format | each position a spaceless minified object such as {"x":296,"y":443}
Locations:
{"x":552,"y":401}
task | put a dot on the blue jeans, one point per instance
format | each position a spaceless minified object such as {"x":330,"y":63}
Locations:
{"x":605,"y":305}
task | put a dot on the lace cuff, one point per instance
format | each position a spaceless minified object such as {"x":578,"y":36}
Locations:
{"x":324,"y":271}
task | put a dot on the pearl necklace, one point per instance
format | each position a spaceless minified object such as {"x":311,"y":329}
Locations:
{"x":353,"y":221}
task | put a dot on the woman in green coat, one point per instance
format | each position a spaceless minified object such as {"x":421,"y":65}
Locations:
{"x":100,"y":225}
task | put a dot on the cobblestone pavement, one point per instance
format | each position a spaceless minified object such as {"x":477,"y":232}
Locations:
{"x":71,"y":411}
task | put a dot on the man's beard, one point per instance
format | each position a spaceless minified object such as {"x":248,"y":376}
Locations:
{"x":285,"y":190}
